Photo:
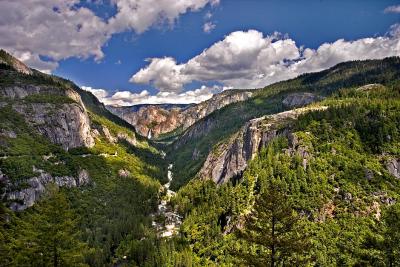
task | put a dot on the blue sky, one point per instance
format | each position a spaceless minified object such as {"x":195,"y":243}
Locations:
{"x":180,"y":36}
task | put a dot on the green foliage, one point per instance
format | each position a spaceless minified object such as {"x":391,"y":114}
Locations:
{"x":391,"y":244}
{"x":274,"y":231}
{"x":221,"y":124}
{"x":335,"y":194}
{"x":18,"y":168}
{"x":48,"y":235}
{"x":112,"y":209}
{"x":49,"y":98}
{"x":334,"y":183}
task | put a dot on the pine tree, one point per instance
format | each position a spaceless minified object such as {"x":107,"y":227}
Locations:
{"x":272,"y":230}
{"x":392,"y":235}
{"x":49,"y":236}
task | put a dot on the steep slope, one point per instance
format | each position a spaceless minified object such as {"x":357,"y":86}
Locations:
{"x":151,"y":120}
{"x":228,"y":160}
{"x":192,"y":148}
{"x":79,"y":177}
{"x":333,"y":164}
{"x":56,"y":113}
{"x":8,"y":61}
{"x":161,"y":121}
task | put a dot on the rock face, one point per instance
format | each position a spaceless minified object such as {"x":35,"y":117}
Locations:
{"x":201,"y":110}
{"x":393,"y":167}
{"x":153,"y":120}
{"x":56,"y":112}
{"x":66,"y":124}
{"x":229,"y":160}
{"x":296,"y":100}
{"x":206,"y":125}
{"x":7,"y":59}
{"x":370,"y":87}
{"x":36,"y":186}
{"x":198,"y":129}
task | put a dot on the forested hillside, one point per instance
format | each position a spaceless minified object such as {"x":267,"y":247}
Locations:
{"x":325,"y":196}
{"x":318,"y":184}
{"x":83,"y":201}
{"x":191,"y":149}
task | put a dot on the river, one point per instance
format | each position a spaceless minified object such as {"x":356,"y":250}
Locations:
{"x":166,"y":220}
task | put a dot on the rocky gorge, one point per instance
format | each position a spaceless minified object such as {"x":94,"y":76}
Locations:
{"x":36,"y":187}
{"x":166,"y":220}
{"x":157,"y":120}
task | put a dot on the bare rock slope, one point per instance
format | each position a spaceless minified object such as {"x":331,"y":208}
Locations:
{"x":154,"y":120}
{"x":64,"y":122}
{"x":228,"y":160}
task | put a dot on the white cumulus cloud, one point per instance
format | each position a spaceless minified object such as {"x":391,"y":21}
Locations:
{"x":139,"y":15}
{"x":209,"y":26}
{"x":392,"y":9}
{"x":59,"y":29}
{"x":127,"y":98}
{"x":164,"y":73}
{"x":248,"y":59}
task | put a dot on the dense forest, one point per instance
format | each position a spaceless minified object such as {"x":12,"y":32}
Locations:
{"x":339,"y":209}
{"x":319,"y":196}
{"x":221,"y":124}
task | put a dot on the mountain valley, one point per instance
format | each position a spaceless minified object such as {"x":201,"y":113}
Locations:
{"x":165,"y":120}
{"x":309,"y":166}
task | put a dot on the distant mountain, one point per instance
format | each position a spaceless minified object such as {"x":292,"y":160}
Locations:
{"x":167,"y":120}
{"x":151,"y":120}
{"x":308,"y":166}
{"x":136,"y":108}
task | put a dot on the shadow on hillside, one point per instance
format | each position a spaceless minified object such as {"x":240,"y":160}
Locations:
{"x":150,"y":159}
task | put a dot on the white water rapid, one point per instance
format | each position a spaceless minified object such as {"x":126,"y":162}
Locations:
{"x":166,"y":220}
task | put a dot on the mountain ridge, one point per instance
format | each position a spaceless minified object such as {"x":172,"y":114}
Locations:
{"x":328,"y":141}
{"x":197,"y":141}
{"x":163,"y":120}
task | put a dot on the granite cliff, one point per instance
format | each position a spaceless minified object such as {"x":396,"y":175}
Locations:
{"x":154,"y":120}
{"x":57,"y":113}
{"x":151,"y":120}
{"x":19,"y":198}
{"x":50,"y":112}
{"x":229,"y":159}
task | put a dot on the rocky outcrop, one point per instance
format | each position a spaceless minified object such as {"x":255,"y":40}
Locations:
{"x":106,"y":132}
{"x":393,"y":167}
{"x":123,"y":173}
{"x":17,"y":65}
{"x":370,"y":87}
{"x":228,"y":160}
{"x":66,"y":123}
{"x":125,"y":137}
{"x":35,"y":187}
{"x":218,"y":101}
{"x":296,"y":100}
{"x":120,"y":136}
{"x":200,"y":128}
{"x":22,"y":91}
{"x":8,"y":133}
{"x":153,"y":120}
